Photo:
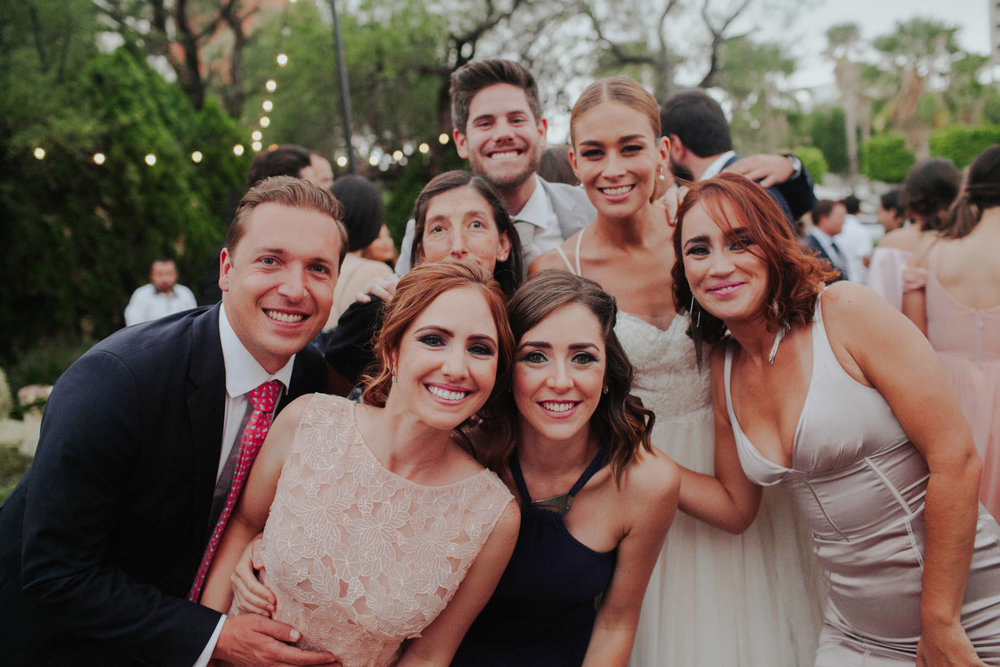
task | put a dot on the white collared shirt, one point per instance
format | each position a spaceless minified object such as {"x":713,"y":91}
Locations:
{"x":715,"y":168}
{"x":538,"y":212}
{"x":243,"y":375}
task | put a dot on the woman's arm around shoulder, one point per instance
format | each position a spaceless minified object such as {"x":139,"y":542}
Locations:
{"x":439,"y":640}
{"x":727,"y":500}
{"x":251,"y":512}
{"x":914,"y":302}
{"x":648,"y":495}
{"x":890,"y":353}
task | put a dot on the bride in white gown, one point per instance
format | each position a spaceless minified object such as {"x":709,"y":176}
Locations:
{"x":714,"y":599}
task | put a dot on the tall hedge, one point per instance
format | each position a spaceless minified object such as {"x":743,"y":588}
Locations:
{"x":79,"y":236}
{"x":962,"y":144}
{"x":885,"y":158}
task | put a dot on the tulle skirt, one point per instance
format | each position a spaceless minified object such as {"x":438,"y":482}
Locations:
{"x":716,"y":599}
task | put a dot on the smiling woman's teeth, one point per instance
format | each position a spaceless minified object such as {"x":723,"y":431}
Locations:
{"x":617,"y":191}
{"x":557,"y":407}
{"x":445,"y":394}
{"x":284,"y":317}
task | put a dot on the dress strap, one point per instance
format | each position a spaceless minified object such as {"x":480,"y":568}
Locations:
{"x":565,"y":259}
{"x":564,"y":501}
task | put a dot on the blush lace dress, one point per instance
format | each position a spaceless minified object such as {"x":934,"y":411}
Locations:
{"x":359,"y":558}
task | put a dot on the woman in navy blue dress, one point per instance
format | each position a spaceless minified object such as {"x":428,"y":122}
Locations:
{"x":596,"y":498}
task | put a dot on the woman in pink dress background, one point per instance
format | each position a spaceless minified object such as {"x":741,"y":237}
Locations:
{"x":953,"y":295}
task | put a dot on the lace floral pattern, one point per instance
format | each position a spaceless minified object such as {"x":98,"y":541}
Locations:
{"x":358,"y":557}
{"x":668,"y":379}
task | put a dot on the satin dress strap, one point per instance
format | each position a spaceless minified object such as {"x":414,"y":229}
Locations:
{"x":578,"y":271}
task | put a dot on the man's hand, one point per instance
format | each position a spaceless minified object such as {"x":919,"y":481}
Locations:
{"x":767,"y":170}
{"x":249,"y":639}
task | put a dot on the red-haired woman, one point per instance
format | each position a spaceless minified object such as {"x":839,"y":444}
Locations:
{"x":836,"y":396}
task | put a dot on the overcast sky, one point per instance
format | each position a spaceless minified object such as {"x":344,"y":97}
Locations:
{"x":878,"y":17}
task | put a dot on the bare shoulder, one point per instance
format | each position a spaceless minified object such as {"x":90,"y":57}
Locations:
{"x":901,"y":239}
{"x":652,"y":477}
{"x":551,"y":259}
{"x":509,"y":523}
{"x":846,"y":301}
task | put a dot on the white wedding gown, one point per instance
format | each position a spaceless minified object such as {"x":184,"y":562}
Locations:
{"x":716,"y":599}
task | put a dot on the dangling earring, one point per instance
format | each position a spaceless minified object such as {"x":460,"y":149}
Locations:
{"x":660,"y":175}
{"x":697,"y":321}
{"x":605,"y":390}
{"x":393,"y":372}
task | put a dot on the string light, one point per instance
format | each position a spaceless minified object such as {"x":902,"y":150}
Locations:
{"x":238,"y":150}
{"x":397,"y":155}
{"x":256,"y":146}
{"x":264,"y":121}
{"x":271,"y":85}
{"x":424,"y":148}
{"x":443,"y":139}
{"x":342,"y":161}
{"x":257,"y":135}
{"x":282,"y":59}
{"x":98,"y":158}
{"x":373,"y":160}
{"x":196,"y":156}
{"x":150,"y":159}
{"x":39,"y":153}
{"x":267,"y":105}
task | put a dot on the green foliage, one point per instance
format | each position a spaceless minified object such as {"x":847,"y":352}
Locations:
{"x":392,"y":49}
{"x":91,"y":230}
{"x":45,"y":361}
{"x":826,"y":131}
{"x":813,"y":160}
{"x":886,"y":158}
{"x":13,"y":465}
{"x":961,"y":144}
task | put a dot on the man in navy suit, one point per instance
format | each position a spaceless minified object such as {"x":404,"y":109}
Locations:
{"x":828,"y":221}
{"x":701,"y":146}
{"x":102,"y":539}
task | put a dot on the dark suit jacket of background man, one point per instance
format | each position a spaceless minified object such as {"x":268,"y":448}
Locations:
{"x":812,"y":243}
{"x":795,"y":196}
{"x":106,"y":530}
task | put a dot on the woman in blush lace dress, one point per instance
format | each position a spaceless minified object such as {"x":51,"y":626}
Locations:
{"x":385,"y":537}
{"x":835,"y":396}
{"x":954,"y":297}
{"x":713,"y":598}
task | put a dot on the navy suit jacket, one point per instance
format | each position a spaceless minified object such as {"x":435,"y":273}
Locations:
{"x":795,"y":196}
{"x":101,"y":540}
{"x":813,"y":244}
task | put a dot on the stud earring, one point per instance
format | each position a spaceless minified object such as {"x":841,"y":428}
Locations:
{"x":605,"y":390}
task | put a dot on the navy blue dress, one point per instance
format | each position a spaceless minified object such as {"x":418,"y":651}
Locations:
{"x":542,"y":612}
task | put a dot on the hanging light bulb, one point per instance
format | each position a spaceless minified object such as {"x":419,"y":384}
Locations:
{"x":150,"y":159}
{"x":39,"y":153}
{"x":99,"y":158}
{"x":267,"y":105}
{"x":196,"y":156}
{"x":424,"y":148}
{"x":282,"y":59}
{"x":443,"y":138}
{"x":271,"y":85}
{"x":238,"y":150}
{"x":256,"y":146}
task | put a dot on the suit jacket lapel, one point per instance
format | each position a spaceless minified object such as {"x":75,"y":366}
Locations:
{"x":206,"y":402}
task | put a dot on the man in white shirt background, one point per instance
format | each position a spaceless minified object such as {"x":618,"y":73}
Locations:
{"x":160,"y":296}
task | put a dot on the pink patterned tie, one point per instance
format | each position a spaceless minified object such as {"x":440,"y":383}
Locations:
{"x":262,"y":399}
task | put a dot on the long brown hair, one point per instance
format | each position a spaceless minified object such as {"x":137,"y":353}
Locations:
{"x":620,"y":420}
{"x":794,"y":278}
{"x":980,"y":192}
